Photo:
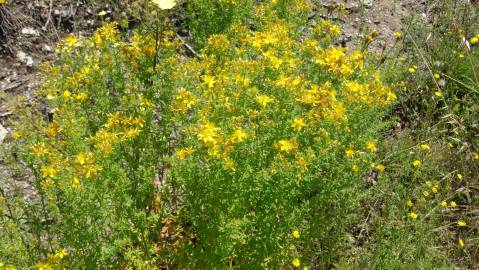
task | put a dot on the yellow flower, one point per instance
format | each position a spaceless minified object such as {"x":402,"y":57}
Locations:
{"x":60,"y":254}
{"x":416,"y":163}
{"x":164,"y":4}
{"x":49,"y":171}
{"x":239,"y":136}
{"x":84,"y":158}
{"x":355,"y":168}
{"x":397,"y":35}
{"x":474,"y":40}
{"x":475,"y":155}
{"x":461,"y":223}
{"x":411,"y":70}
{"x":298,"y":124}
{"x":263,"y":100}
{"x":413,"y":215}
{"x":207,"y":133}
{"x":9,"y":267}
{"x":425,"y":193}
{"x":437,"y":76}
{"x":67,"y":94}
{"x":381,"y":167}
{"x":409,"y":203}
{"x":438,"y":94}
{"x":75,"y":182}
{"x":425,"y":147}
{"x":460,"y":242}
{"x":102,"y":13}
{"x":44,"y":266}
{"x":209,"y":81}
{"x":296,"y":234}
{"x":183,"y":153}
{"x":229,"y":164}
{"x":459,"y":176}
{"x":371,"y":146}
{"x":71,"y":41}
{"x":3,"y":2}
{"x":349,"y":153}
{"x":453,"y":204}
{"x":286,"y":145}
{"x":296,"y":262}
{"x":444,"y":204}
{"x":434,"y":189}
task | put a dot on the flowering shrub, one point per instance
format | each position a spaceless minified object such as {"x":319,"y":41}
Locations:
{"x":249,"y":156}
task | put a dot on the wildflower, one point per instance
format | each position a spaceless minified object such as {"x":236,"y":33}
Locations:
{"x":438,"y":94}
{"x":84,"y":158}
{"x":355,"y":168}
{"x":71,"y":41}
{"x":425,"y":147}
{"x":475,"y":155}
{"x":298,"y":124}
{"x":397,"y":35}
{"x":413,"y":215}
{"x":453,"y":204}
{"x":183,"y":153}
{"x":460,"y":242}
{"x":409,"y":203}
{"x":208,"y":133}
{"x":434,"y":189}
{"x":67,"y":94}
{"x":60,"y":254}
{"x":461,"y":223}
{"x":239,"y":136}
{"x":296,"y":234}
{"x":229,"y":164}
{"x":17,"y":135}
{"x":296,"y":262}
{"x":425,"y":193}
{"x":380,"y":167}
{"x":44,"y":266}
{"x":474,"y":40}
{"x":48,"y":171}
{"x":81,"y":96}
{"x":459,"y":176}
{"x":263,"y":100}
{"x":131,"y":132}
{"x":416,"y":163}
{"x":286,"y":145}
{"x":75,"y":182}
{"x":164,"y":4}
{"x":444,"y":204}
{"x":39,"y":150}
{"x":209,"y":81}
{"x":2,"y":2}
{"x":437,"y":76}
{"x":102,"y":13}
{"x":371,"y":146}
{"x":349,"y":153}
{"x":411,"y":70}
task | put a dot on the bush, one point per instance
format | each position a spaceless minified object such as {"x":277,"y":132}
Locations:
{"x":209,"y":17}
{"x":249,"y":156}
